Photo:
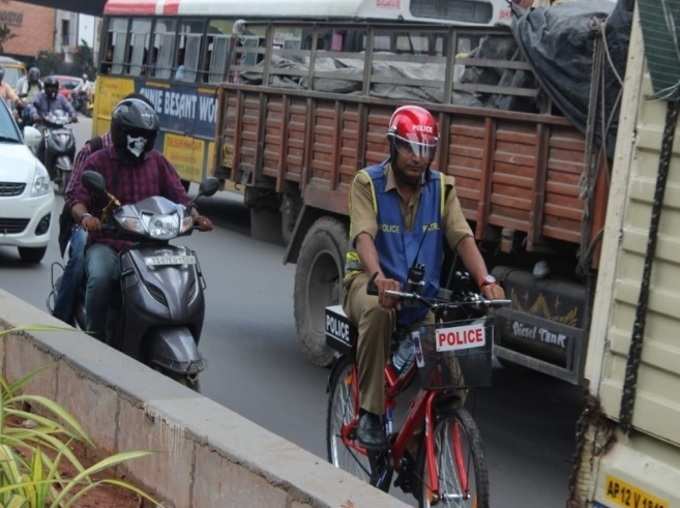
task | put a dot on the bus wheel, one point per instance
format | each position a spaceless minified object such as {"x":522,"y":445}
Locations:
{"x":318,"y":283}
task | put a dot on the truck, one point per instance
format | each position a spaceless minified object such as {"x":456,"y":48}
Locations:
{"x":307,"y":105}
{"x":628,"y":437}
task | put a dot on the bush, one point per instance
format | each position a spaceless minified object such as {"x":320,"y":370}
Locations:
{"x":36,"y":449}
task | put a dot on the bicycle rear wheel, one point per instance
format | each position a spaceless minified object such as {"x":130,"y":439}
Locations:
{"x":461,"y":465}
{"x":341,"y":411}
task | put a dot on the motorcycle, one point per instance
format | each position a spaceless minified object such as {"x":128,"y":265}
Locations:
{"x":58,"y":148}
{"x":81,"y":102}
{"x":157,"y":317}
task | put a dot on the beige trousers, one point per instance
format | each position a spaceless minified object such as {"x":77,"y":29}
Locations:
{"x":375,"y":326}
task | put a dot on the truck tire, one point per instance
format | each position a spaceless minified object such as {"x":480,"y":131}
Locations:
{"x":265,"y":225}
{"x":318,"y":283}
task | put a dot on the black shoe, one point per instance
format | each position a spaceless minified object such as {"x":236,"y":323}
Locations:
{"x":371,"y":432}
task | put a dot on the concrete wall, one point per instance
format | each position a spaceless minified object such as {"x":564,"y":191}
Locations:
{"x":206,"y":455}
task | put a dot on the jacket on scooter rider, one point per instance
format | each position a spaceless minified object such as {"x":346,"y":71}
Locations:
{"x":42,"y":106}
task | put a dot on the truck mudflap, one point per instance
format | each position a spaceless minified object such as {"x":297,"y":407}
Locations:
{"x":544,"y":329}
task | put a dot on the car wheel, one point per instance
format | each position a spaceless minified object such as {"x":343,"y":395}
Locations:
{"x":32,"y":254}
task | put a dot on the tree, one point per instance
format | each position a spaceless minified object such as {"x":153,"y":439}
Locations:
{"x":49,"y":62}
{"x":5,"y":36}
{"x":83,"y":59}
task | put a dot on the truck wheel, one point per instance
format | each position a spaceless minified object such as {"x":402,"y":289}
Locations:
{"x":318,"y":283}
{"x":265,"y":225}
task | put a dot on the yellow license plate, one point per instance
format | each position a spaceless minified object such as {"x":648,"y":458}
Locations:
{"x":626,"y":495}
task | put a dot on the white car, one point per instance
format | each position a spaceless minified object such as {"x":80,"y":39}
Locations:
{"x":26,"y":195}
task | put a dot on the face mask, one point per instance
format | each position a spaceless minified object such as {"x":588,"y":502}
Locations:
{"x":136,"y":145}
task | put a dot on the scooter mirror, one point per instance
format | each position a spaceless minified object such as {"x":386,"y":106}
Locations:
{"x":209,"y":186}
{"x":94,"y":182}
{"x":32,"y":138}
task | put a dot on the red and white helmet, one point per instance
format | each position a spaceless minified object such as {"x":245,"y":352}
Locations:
{"x":413,"y":128}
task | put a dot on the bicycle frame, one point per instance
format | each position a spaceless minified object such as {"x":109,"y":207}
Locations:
{"x":421,"y":413}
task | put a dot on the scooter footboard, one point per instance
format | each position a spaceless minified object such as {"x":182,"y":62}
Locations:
{"x":174,"y":349}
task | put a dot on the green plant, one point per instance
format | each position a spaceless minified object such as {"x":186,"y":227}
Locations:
{"x":35,"y":450}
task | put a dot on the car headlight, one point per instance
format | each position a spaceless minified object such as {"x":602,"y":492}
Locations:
{"x":163,"y":227}
{"x":41,"y":182}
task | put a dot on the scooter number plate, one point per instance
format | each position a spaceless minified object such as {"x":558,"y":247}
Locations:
{"x":170,"y":260}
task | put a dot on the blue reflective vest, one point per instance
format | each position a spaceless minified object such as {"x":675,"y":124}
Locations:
{"x":398,"y":248}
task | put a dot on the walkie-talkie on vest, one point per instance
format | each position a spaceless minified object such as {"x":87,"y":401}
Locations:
{"x":415,"y":282}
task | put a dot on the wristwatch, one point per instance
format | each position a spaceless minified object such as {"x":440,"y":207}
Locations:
{"x":487,"y":281}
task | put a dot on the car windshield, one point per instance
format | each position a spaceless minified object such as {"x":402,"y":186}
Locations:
{"x":8,"y":130}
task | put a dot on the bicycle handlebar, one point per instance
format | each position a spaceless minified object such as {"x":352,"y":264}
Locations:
{"x":437,"y":301}
{"x":372,"y":290}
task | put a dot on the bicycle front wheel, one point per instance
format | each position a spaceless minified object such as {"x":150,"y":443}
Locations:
{"x":460,"y":465}
{"x":341,"y":412}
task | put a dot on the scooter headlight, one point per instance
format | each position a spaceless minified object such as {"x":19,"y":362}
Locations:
{"x":131,"y":224}
{"x":187,"y":222}
{"x":163,"y":227}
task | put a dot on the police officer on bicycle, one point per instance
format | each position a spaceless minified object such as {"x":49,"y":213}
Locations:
{"x":401,"y":212}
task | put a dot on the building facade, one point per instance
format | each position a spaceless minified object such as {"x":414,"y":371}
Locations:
{"x":31,"y":29}
{"x":34,"y":29}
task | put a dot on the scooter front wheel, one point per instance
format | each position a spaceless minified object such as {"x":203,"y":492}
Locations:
{"x":191,"y":382}
{"x":63,"y":180}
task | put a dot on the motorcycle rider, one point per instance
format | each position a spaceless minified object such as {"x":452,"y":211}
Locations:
{"x":401,"y":211}
{"x":29,"y":86}
{"x":133,"y":171}
{"x":49,"y":101}
{"x":73,"y":235}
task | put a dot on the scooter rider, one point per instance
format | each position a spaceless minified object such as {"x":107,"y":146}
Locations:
{"x":133,"y":171}
{"x":29,"y":86}
{"x":49,"y":101}
{"x":400,"y":211}
{"x":73,"y":235}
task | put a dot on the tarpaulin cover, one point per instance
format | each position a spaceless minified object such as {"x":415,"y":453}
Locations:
{"x":352,"y":69}
{"x":558,"y":42}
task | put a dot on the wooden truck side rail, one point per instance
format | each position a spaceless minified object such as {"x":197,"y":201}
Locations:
{"x":513,"y":170}
{"x":519,"y":175}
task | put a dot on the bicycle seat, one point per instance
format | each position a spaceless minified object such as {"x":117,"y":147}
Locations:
{"x":341,"y":334}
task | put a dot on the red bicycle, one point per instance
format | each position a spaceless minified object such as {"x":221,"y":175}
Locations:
{"x":449,"y":468}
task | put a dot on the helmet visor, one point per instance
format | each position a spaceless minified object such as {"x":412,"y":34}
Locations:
{"x":419,"y":149}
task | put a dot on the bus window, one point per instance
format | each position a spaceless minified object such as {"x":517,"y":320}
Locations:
{"x":189,"y":51}
{"x":163,"y":51}
{"x":138,"y":53}
{"x":219,"y":39}
{"x":115,"y":53}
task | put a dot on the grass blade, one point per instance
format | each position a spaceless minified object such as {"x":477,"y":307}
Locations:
{"x":102,"y":465}
{"x":115,"y":483}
